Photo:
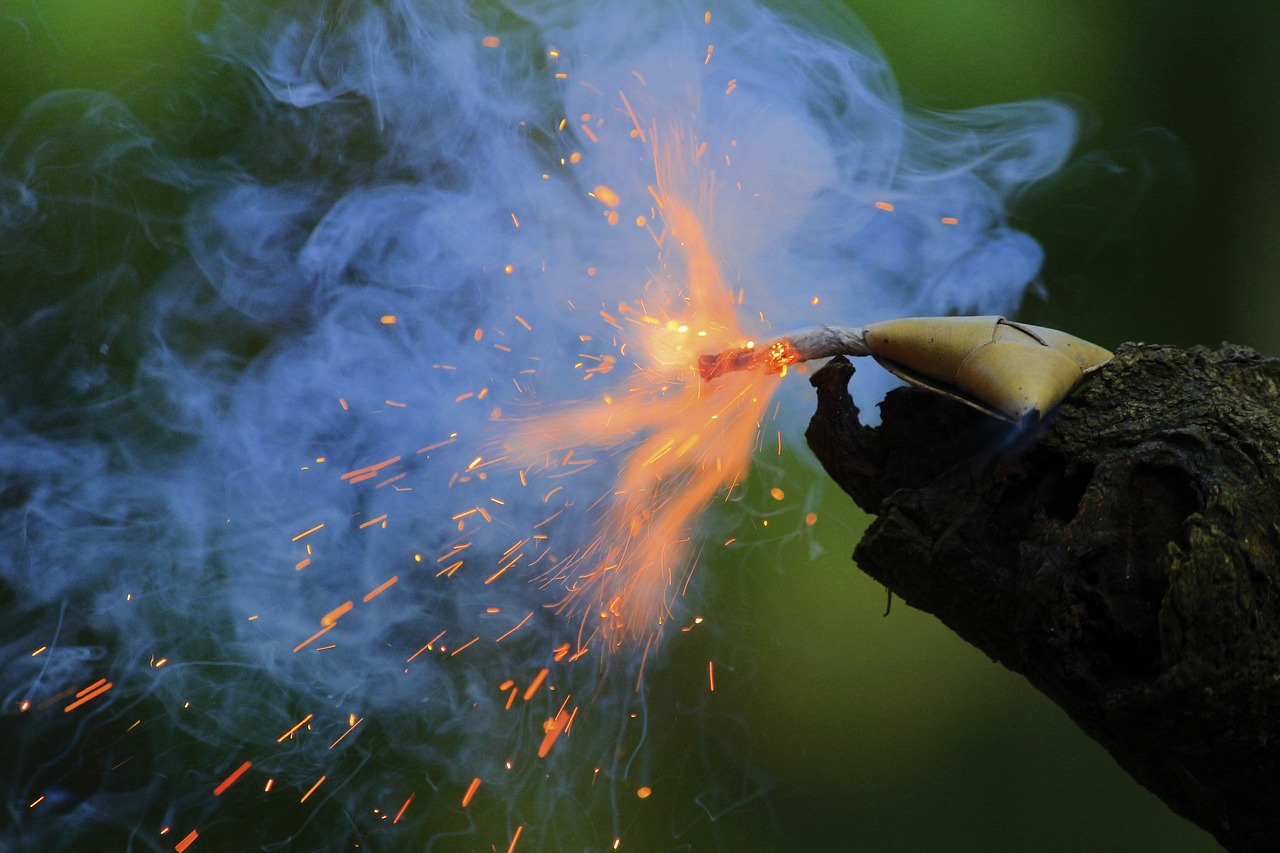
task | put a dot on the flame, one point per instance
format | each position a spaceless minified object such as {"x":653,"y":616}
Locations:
{"x":686,"y":441}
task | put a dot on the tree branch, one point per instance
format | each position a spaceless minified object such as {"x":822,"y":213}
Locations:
{"x":1121,"y":555}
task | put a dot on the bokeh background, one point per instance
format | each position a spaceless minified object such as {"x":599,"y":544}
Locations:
{"x":888,"y":733}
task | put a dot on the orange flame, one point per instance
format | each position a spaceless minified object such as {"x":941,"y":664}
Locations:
{"x":688,"y":440}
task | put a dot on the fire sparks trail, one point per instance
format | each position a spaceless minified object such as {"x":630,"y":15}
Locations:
{"x":688,"y":442}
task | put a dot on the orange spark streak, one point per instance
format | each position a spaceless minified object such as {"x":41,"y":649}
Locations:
{"x":463,"y":646}
{"x":333,"y":615}
{"x":535,"y":684}
{"x":711,"y":675}
{"x":371,"y":469}
{"x":92,"y":687}
{"x":317,"y":635}
{"x":231,"y":780}
{"x":302,"y":564}
{"x":347,"y":732}
{"x":374,"y":593}
{"x":471,"y":792}
{"x":400,"y":813}
{"x":186,"y":842}
{"x":638,"y":131}
{"x":313,"y":789}
{"x":299,"y":725}
{"x":513,"y":630}
{"x":90,"y":693}
{"x":371,"y":521}
{"x":515,"y":838}
{"x":438,"y":444}
{"x":308,"y":532}
{"x":553,"y":730}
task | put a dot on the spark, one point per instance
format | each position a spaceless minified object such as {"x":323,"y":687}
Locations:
{"x":553,"y":728}
{"x":884,"y":205}
{"x":430,"y":447}
{"x":347,"y":732}
{"x":369,"y":471}
{"x":312,"y":638}
{"x":515,"y":838}
{"x":186,"y":842}
{"x":308,"y":532}
{"x":490,"y":41}
{"x":331,"y":618}
{"x":391,"y":480}
{"x":516,"y":628}
{"x":471,"y":792}
{"x":373,"y":521}
{"x":93,"y":691}
{"x":606,"y":196}
{"x":400,"y":813}
{"x":383,"y":587}
{"x":535,"y":684}
{"x":297,"y":726}
{"x":949,"y":220}
{"x":388,"y":319}
{"x":711,"y":675}
{"x":312,"y":790}
{"x":231,"y":780}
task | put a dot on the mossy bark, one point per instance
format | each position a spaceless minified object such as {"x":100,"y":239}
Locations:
{"x":1121,"y":555}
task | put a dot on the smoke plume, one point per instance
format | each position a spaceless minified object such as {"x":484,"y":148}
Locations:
{"x":267,"y":581}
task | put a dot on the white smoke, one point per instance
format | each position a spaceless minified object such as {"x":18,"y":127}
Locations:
{"x":164,"y":415}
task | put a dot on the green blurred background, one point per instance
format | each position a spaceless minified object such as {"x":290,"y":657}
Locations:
{"x":890,"y":733}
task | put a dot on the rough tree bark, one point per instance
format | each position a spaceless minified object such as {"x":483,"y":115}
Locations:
{"x":1122,"y":556}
